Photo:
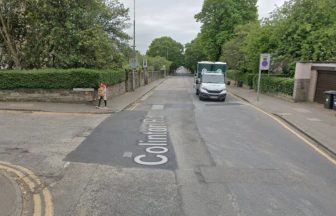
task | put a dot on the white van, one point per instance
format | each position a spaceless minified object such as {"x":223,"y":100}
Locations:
{"x":212,"y":86}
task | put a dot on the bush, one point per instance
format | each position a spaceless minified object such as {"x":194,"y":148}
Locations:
{"x":277,"y":83}
{"x":273,"y":84}
{"x":249,"y":79}
{"x":58,"y":78}
{"x":230,"y":74}
{"x":235,"y":75}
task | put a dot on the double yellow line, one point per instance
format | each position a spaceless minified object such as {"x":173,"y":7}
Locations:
{"x":42,"y":199}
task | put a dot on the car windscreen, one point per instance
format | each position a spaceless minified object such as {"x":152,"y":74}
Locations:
{"x":213,"y":79}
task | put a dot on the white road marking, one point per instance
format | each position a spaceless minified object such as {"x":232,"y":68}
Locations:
{"x":314,"y":119}
{"x":157,"y":138}
{"x":157,"y":107}
{"x":127,"y":154}
{"x":66,"y":164}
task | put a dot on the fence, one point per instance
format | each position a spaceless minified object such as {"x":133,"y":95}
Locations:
{"x":142,"y":78}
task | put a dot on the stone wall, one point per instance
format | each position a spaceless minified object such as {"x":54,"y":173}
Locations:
{"x":48,"y":95}
{"x":142,"y":78}
{"x":79,"y":95}
{"x":116,"y":90}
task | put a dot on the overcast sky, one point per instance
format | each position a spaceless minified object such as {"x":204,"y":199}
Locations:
{"x":174,"y":18}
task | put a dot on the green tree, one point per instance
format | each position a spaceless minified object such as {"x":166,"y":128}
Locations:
{"x":297,"y":24}
{"x":168,"y":48}
{"x":64,"y":34}
{"x":194,"y":53}
{"x":219,"y":19}
{"x":300,"y":30}
{"x":12,"y":29}
{"x":157,"y":63}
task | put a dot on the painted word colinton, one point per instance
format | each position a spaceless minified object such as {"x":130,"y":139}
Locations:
{"x":156,"y":144}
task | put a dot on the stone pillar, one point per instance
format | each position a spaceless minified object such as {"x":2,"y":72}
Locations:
{"x":303,"y":75}
{"x":312,"y":86}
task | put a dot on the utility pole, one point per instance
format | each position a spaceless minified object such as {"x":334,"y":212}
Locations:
{"x":259,"y":80}
{"x":167,"y":60}
{"x":134,"y":53}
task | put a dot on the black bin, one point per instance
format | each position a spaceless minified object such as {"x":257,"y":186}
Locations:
{"x":329,"y":97}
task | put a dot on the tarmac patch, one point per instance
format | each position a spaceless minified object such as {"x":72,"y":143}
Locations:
{"x":180,"y":106}
{"x":128,"y":139}
{"x":225,"y":104}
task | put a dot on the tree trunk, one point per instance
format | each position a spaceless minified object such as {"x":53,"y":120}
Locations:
{"x":9,"y":42}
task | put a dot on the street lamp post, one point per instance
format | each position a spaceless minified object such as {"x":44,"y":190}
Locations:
{"x":134,"y":53}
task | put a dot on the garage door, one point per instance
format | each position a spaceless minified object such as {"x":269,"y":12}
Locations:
{"x":326,"y":80}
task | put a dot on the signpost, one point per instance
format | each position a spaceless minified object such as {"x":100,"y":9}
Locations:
{"x":265,"y":62}
{"x":134,"y":61}
{"x":145,"y":66}
{"x":164,"y":69}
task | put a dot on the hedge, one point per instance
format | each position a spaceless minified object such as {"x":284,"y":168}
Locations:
{"x":270,"y":83}
{"x":230,"y":74}
{"x":235,"y":75}
{"x":58,"y":78}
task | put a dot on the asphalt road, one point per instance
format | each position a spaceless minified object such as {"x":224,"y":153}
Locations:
{"x":171,"y":154}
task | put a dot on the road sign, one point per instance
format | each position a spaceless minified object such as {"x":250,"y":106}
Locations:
{"x":133,"y":63}
{"x":145,"y":65}
{"x":265,"y":61}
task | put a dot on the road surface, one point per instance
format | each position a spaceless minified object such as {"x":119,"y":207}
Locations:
{"x":171,"y":154}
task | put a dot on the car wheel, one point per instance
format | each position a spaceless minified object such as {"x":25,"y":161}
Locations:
{"x":223,"y":99}
{"x":201,"y":98}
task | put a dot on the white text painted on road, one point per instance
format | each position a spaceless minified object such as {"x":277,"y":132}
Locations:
{"x":156,"y":144}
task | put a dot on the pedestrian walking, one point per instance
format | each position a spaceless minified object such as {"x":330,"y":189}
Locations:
{"x":102,"y":94}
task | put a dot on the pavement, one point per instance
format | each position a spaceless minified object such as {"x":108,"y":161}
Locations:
{"x":312,"y":119}
{"x":10,"y":196}
{"x":115,"y":104}
{"x":171,"y":154}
